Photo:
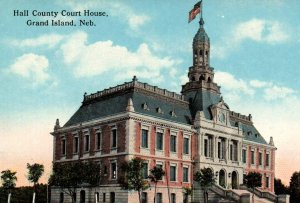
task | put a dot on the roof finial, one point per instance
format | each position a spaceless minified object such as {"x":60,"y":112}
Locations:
{"x":201,"y":22}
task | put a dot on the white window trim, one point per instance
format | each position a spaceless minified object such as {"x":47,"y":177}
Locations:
{"x":163,"y":141}
{"x":63,"y":152}
{"x":75,"y":135}
{"x":98,"y":130}
{"x":189,"y":145}
{"x":113,"y":127}
{"x":176,"y":141}
{"x":145,"y":127}
{"x":176,"y":170}
{"x":86,"y":133}
{"x":186,"y":166}
{"x":254,"y":160}
{"x":111,"y":172}
{"x":269,"y":162}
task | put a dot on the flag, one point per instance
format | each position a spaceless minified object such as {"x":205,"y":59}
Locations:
{"x":193,"y":13}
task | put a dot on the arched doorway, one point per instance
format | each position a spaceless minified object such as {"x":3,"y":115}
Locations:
{"x":82,"y":196}
{"x":234,"y":180}
{"x":61,"y":197}
{"x":222,"y":181}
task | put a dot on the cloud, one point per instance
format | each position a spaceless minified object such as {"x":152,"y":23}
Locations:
{"x":117,"y":9}
{"x":102,"y":56}
{"x":229,"y":82}
{"x":49,"y":40}
{"x":276,"y":92}
{"x":258,"y":30}
{"x":259,"y":84}
{"x":31,"y":66}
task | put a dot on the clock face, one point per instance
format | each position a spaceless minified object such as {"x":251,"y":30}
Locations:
{"x":222,"y":117}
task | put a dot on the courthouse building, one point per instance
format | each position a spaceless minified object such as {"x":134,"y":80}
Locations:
{"x":179,"y":132}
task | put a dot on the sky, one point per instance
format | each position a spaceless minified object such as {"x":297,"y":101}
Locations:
{"x":45,"y":70}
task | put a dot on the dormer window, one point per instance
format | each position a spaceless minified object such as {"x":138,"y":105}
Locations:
{"x":172,"y":113}
{"x":249,"y":133}
{"x":159,"y":110}
{"x":145,"y":106}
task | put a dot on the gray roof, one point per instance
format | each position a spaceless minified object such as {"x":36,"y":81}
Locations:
{"x":201,"y":36}
{"x":250,"y":132}
{"x":117,"y":103}
{"x":201,"y":101}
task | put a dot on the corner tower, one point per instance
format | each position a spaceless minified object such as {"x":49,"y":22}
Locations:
{"x":201,"y":91}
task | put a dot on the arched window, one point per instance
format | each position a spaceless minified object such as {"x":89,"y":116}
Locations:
{"x":202,"y":77}
{"x":209,"y":79}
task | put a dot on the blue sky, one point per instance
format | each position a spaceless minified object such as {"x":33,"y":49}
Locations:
{"x":44,"y":71}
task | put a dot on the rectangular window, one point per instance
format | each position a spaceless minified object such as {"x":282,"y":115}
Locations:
{"x":267,"y":159}
{"x":159,"y":141}
{"x":173,"y":198}
{"x":223,"y":148}
{"x":244,"y":155}
{"x":173,"y":143}
{"x":86,"y":143}
{"x":104,"y":197}
{"x":113,"y":167}
{"x":144,"y":197}
{"x":185,"y":174}
{"x":252,"y":157}
{"x":98,"y":140}
{"x":186,"y":144}
{"x":158,"y":198}
{"x":114,"y":138}
{"x":159,"y":165}
{"x":145,"y":171}
{"x":206,"y":148}
{"x":63,"y":147}
{"x":231,"y":152}
{"x":76,"y":144}
{"x":267,"y":182}
{"x":219,"y":150}
{"x":144,"y":138}
{"x":172,"y":173}
{"x":260,"y":158}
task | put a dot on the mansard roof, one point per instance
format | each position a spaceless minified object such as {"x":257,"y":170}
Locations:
{"x":249,"y":130}
{"x":148,"y":100}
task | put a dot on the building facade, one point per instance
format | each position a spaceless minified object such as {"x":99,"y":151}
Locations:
{"x":179,"y":132}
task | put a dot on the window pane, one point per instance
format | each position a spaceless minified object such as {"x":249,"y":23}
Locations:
{"x":159,"y":198}
{"x":252,"y":157}
{"x":186,"y":145}
{"x":172,"y":173}
{"x":185,"y":174}
{"x":87,"y":143}
{"x":144,"y":197}
{"x":144,"y":138}
{"x":173,"y":198}
{"x":145,"y":171}
{"x":114,"y":138}
{"x":173,"y":143}
{"x":159,"y":141}
{"x":244,"y":155}
{"x":113,"y":170}
{"x":98,"y":140}
{"x":76,"y":140}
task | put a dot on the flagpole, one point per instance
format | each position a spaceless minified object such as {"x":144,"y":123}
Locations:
{"x":201,"y":7}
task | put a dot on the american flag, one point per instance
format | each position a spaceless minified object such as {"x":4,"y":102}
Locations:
{"x":193,"y":13}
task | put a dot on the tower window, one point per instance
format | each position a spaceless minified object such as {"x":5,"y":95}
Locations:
{"x":201,"y":52}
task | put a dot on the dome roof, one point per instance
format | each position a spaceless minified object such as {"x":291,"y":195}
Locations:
{"x":201,"y":36}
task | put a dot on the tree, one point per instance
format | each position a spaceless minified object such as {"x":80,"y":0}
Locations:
{"x":205,"y":177}
{"x":156,"y":174}
{"x":133,"y":178}
{"x":280,"y":188}
{"x":295,"y":187}
{"x":188,"y":191}
{"x":71,"y":175}
{"x":35,"y":171}
{"x":253,"y":180}
{"x":8,"y":181}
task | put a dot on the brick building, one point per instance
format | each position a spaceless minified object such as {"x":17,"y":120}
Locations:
{"x":180,"y":132}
